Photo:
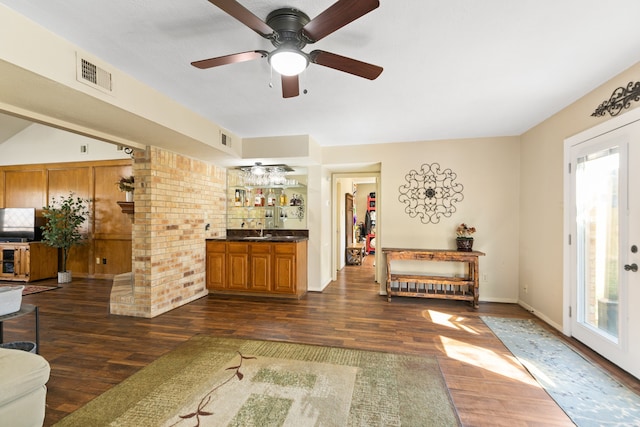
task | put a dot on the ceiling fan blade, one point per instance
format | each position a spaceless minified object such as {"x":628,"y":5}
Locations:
{"x":348,"y":65}
{"x":290,"y":86}
{"x":229,"y":59}
{"x":337,"y":16}
{"x":243,"y":15}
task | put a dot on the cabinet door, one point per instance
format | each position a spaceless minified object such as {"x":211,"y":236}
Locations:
{"x":284,"y":268}
{"x":42,"y":261}
{"x":260,"y":267}
{"x":22,"y":257}
{"x":8,"y":257}
{"x":15,"y":262}
{"x":238,"y":266}
{"x":216,"y":265}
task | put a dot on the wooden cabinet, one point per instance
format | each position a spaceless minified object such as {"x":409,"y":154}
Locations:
{"x":290,"y":267}
{"x":261,"y":268}
{"x":28,"y":261}
{"x":238,"y":266}
{"x":260,"y":272}
{"x":216,"y":265}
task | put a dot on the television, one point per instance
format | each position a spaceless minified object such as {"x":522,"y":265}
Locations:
{"x":19,"y":225}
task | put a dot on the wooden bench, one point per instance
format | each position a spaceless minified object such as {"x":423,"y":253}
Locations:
{"x":434,"y":286}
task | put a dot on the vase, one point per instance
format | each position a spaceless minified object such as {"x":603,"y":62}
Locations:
{"x":64,"y":276}
{"x":465,"y":244}
{"x":128,"y":196}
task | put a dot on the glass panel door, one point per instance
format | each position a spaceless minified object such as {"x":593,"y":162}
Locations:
{"x":597,"y":232}
{"x":604,"y":249}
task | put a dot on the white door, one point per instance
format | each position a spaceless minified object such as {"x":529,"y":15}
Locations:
{"x":604,"y":247}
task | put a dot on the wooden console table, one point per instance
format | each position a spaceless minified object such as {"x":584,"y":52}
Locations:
{"x":432,"y":286}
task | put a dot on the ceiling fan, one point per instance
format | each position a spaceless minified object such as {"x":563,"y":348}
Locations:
{"x":290,"y":30}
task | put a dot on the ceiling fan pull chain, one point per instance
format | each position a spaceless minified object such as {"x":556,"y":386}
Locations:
{"x":271,"y":77}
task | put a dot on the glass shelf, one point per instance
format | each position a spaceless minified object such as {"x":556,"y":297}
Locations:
{"x":278,"y":216}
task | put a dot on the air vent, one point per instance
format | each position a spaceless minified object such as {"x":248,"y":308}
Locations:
{"x":93,"y":75}
{"x":225,"y":139}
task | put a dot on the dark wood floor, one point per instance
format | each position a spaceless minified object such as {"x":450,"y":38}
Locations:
{"x":90,"y":350}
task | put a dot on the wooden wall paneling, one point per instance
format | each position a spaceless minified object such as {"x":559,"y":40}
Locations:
{"x":2,"y":192}
{"x":109,"y":221}
{"x":117,"y":254}
{"x":34,"y":185}
{"x":78,"y":180}
{"x":25,"y":189}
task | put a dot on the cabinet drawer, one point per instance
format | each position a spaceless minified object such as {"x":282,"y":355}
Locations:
{"x":261,"y":248}
{"x":238,"y":248}
{"x":216,"y":246}
{"x":285,"y":248}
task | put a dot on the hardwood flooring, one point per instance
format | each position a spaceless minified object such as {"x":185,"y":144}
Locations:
{"x":90,"y":350}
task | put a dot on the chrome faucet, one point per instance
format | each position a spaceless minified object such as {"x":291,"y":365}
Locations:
{"x":261,"y":229}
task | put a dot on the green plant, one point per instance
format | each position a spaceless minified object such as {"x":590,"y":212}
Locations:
{"x":464,"y":231}
{"x":64,"y":216}
{"x":126,"y":183}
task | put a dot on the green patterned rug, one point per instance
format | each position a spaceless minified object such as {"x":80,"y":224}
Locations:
{"x":210,"y":381}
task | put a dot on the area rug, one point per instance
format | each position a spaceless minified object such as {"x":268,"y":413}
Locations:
{"x":209,"y":381}
{"x":587,"y":394}
{"x":31,"y":289}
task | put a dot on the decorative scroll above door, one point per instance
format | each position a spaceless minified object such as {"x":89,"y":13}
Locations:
{"x":430,"y":193}
{"x":619,"y":100}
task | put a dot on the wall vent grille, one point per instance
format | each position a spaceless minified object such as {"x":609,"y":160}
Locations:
{"x":225,"y":139}
{"x":94,"y":75}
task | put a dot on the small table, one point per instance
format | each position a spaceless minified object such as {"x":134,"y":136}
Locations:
{"x":355,"y":252}
{"x":434,"y":286}
{"x":24,"y":309}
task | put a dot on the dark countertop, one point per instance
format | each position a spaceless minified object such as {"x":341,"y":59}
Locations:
{"x":266,"y":238}
{"x":270,"y":235}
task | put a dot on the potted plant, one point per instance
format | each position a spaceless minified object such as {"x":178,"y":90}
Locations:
{"x":464,"y":241}
{"x":126,"y":185}
{"x":64,"y":216}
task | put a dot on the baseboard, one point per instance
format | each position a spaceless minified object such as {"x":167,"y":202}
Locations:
{"x":500,"y":300}
{"x":540,"y":316}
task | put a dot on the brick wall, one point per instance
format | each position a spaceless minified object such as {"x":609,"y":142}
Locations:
{"x":175,"y":198}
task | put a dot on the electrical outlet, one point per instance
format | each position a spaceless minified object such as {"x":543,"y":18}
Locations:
{"x":485,"y":277}
{"x":526,"y":289}
{"x":97,"y":260}
{"x":104,"y":260}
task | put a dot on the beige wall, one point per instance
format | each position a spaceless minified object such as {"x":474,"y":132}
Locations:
{"x":541,"y":199}
{"x":512,"y":185}
{"x":489,"y":170}
{"x":133,"y":114}
{"x":44,"y":144}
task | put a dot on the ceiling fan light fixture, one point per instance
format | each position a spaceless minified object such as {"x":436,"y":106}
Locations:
{"x":288,"y":62}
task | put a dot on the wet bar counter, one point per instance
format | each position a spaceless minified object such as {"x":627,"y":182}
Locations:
{"x":268,"y":265}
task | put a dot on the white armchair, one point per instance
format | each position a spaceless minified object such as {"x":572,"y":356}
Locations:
{"x":23,"y":392}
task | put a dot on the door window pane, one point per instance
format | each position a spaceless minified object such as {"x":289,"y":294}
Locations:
{"x":597,"y":187}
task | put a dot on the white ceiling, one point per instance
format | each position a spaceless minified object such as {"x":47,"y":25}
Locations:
{"x":452,"y":69}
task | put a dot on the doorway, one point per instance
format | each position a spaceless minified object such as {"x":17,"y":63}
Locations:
{"x":603,"y":223}
{"x":343,"y":184}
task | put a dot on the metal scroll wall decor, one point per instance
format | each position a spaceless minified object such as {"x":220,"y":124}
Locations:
{"x":620,"y":99}
{"x":430,"y":193}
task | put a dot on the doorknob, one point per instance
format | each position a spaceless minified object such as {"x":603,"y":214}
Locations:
{"x":633,"y":267}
